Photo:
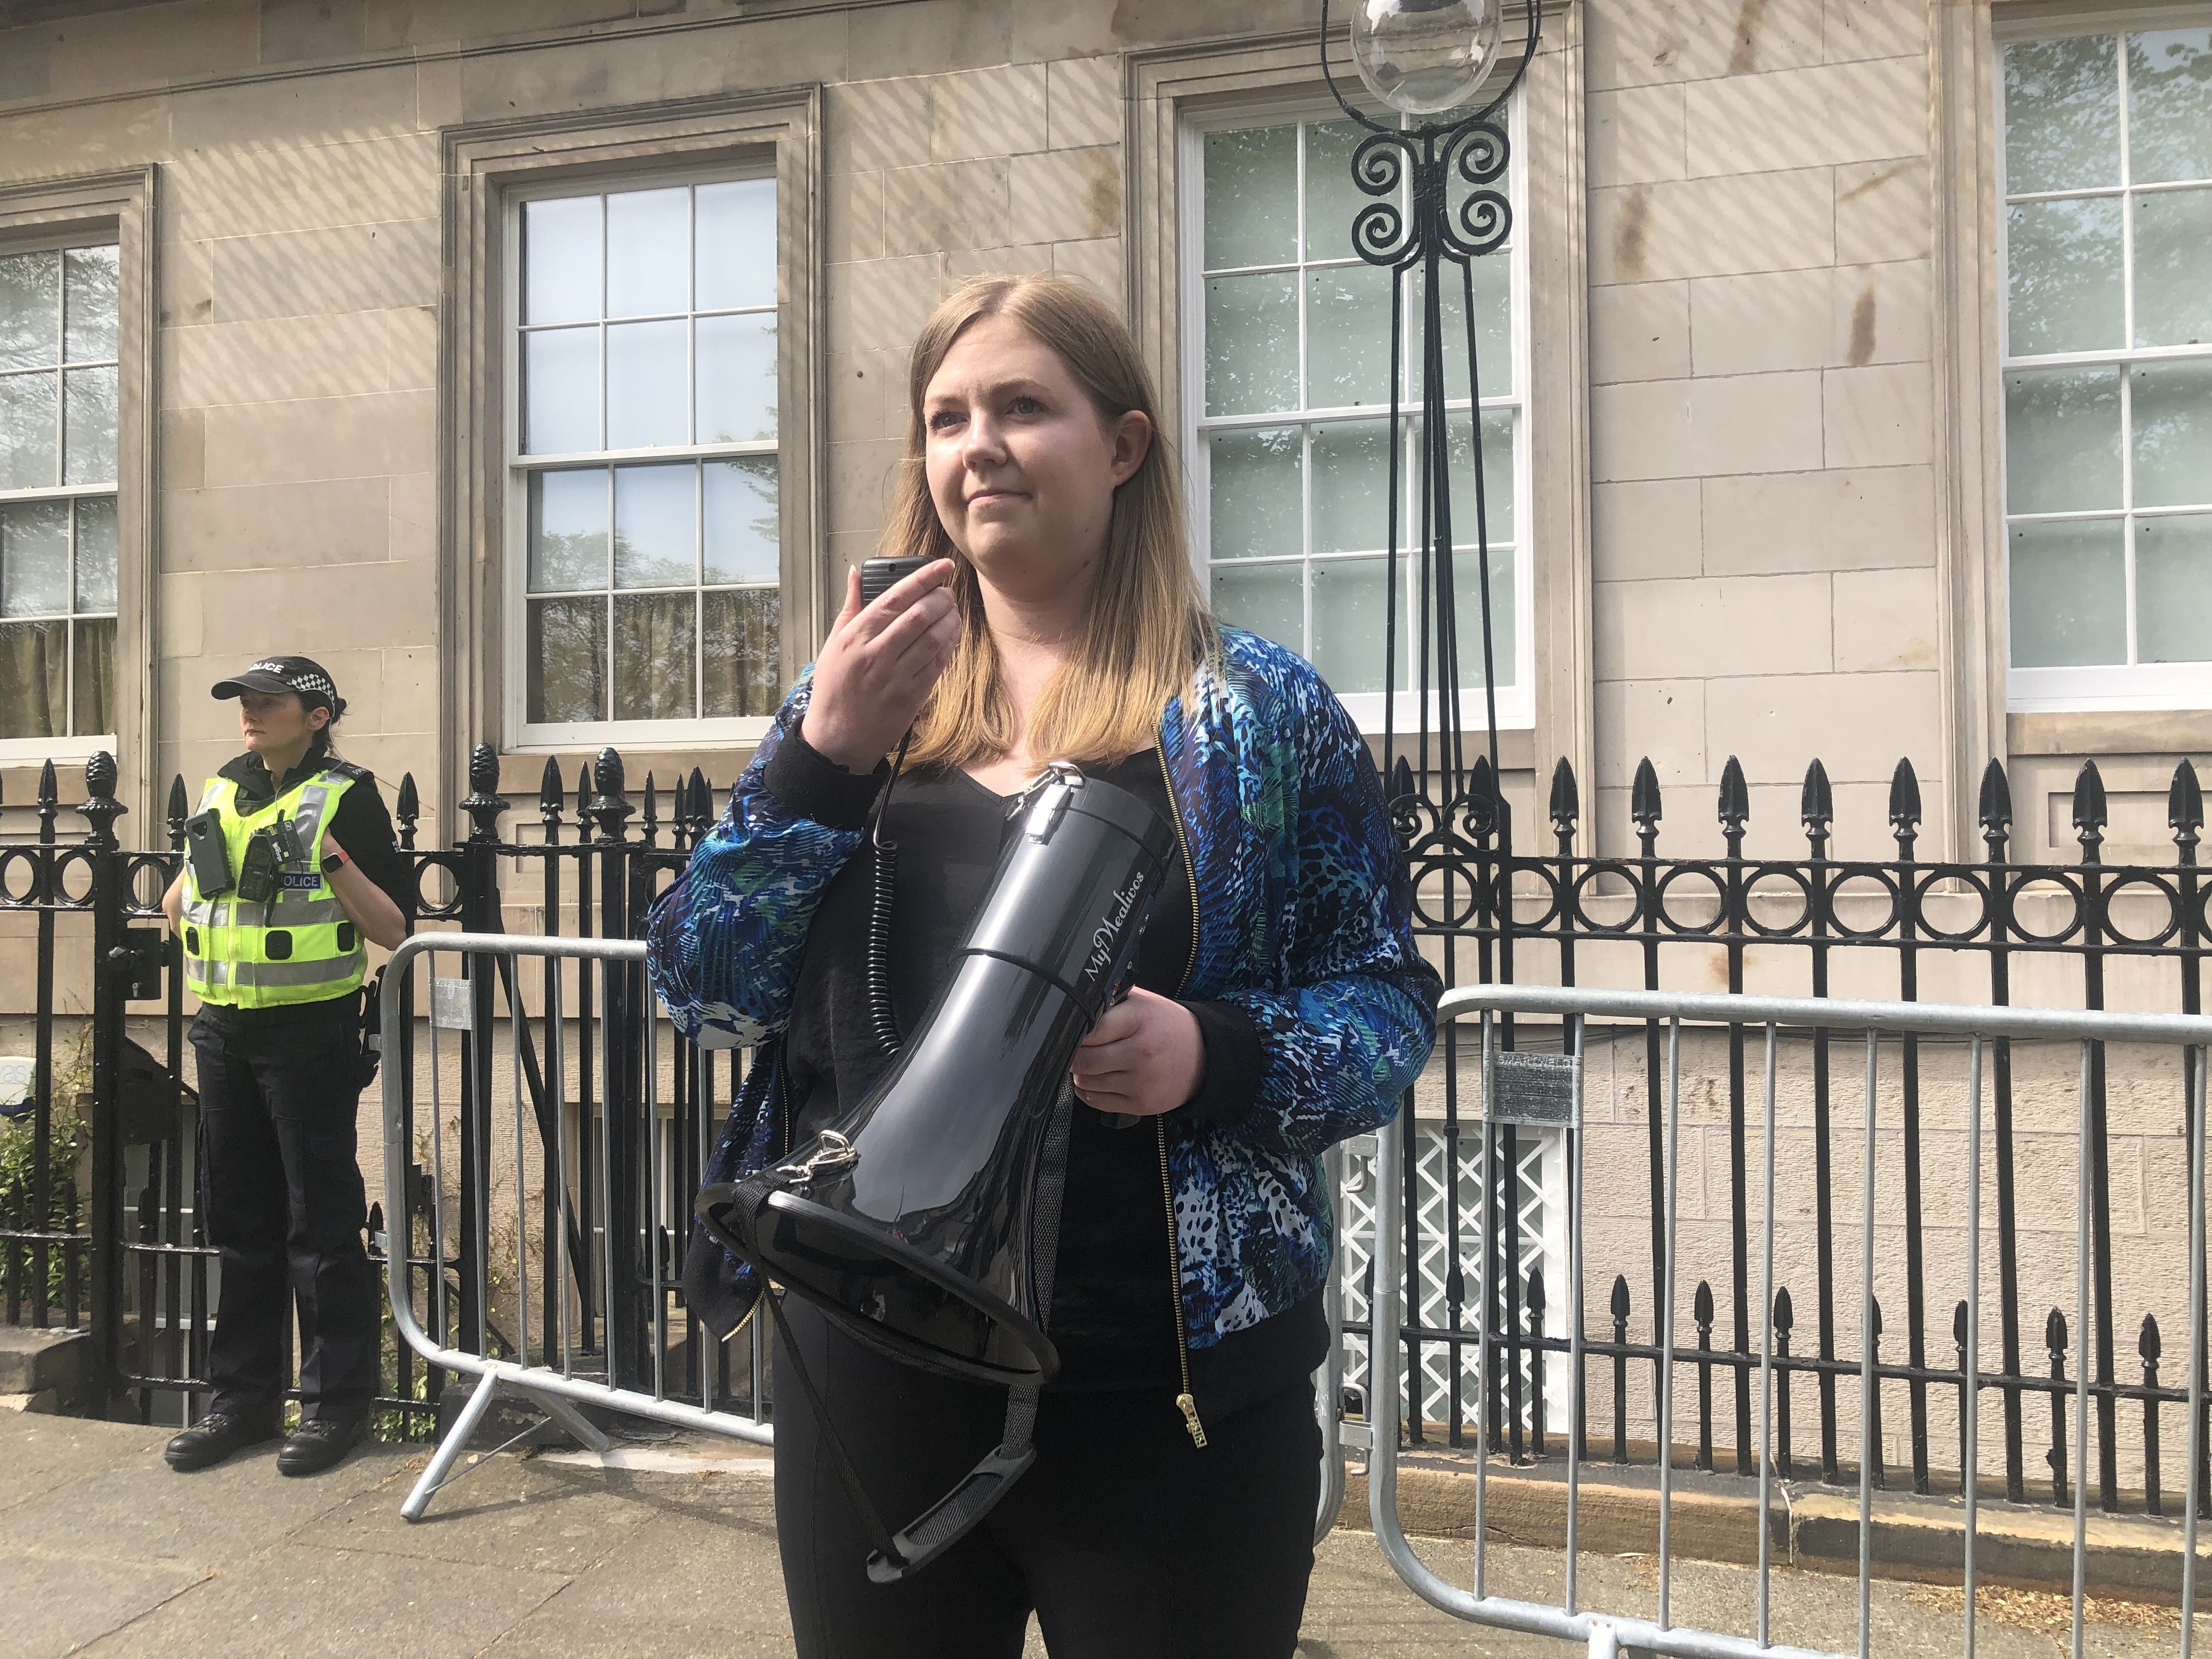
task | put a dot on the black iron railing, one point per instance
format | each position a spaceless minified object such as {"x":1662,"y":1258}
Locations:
{"x":135,"y":1269}
{"x":132,"y":1264}
{"x":1491,"y":910}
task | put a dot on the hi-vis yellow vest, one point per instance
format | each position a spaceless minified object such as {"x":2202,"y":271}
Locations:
{"x":297,"y":946}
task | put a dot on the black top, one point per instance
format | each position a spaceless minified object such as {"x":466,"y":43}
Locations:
{"x":359,"y":823}
{"x":1115,"y":1308}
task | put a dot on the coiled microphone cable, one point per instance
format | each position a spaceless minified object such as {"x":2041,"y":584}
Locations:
{"x":883,"y":1015}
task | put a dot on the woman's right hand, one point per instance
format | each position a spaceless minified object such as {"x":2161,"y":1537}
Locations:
{"x":878,"y":665}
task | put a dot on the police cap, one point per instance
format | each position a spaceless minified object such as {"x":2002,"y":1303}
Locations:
{"x":279,"y":674}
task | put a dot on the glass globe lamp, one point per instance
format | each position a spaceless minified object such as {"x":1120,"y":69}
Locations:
{"x":1424,"y":56}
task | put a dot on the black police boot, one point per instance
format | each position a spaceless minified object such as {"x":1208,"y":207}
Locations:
{"x":216,"y":1436}
{"x":316,"y":1444}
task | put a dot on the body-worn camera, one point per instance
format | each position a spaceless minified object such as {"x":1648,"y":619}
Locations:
{"x":257,"y":874}
{"x":205,"y":851}
{"x":284,"y":837}
{"x":880,"y":576}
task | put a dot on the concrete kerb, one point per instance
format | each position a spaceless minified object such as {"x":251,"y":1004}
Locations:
{"x":1915,"y":1538}
{"x":47,"y":1368}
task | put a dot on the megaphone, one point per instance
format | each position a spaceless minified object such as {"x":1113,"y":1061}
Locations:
{"x":910,"y":1220}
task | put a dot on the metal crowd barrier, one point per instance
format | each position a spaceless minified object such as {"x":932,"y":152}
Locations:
{"x":1328,"y":1381}
{"x":550,"y":1381}
{"x":1549,"y":1090}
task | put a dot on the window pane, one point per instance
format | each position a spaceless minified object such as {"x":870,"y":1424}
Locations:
{"x":2173,"y":267}
{"x":1267,"y":599}
{"x":1493,"y":326}
{"x":1251,"y":344}
{"x":2173,"y":590}
{"x":96,"y":556}
{"x":90,"y":280}
{"x":2062,"y":439}
{"x":1351,"y":488}
{"x":2061,"y":114}
{"x":1467,"y":592}
{"x":561,"y":392}
{"x":568,"y":531}
{"x":2170,"y":105}
{"x":1497,"y":476}
{"x":30,"y":450}
{"x":1333,"y":202}
{"x":1256,"y":504}
{"x":561,"y":260}
{"x":1347,"y":337}
{"x":1349,"y":624}
{"x":741,"y":653}
{"x":33,"y":679}
{"x":89,"y":435}
{"x":93,"y":685}
{"x":655,"y":659}
{"x":648,"y":252}
{"x":1251,"y":197}
{"x":568,"y":659}
{"x":743,"y":539}
{"x":30,"y":310}
{"x":647,"y":394}
{"x":2069,"y":594}
{"x":2062,"y":261}
{"x":34,"y":579}
{"x":656,"y":527}
{"x":2172,"y":422}
{"x":736,"y":243}
{"x":736,"y":378}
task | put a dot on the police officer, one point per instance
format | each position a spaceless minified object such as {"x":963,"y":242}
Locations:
{"x":290,"y":871}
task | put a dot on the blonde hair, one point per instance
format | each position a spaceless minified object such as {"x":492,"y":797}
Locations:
{"x":1147,"y":626}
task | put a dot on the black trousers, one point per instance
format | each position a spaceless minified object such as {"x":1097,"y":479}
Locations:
{"x":1128,"y":1541}
{"x":286,"y":1211}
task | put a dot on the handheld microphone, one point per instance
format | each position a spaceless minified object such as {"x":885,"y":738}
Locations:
{"x":880,"y":576}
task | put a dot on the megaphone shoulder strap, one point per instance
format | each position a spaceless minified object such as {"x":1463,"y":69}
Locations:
{"x":848,"y":1476}
{"x":943,"y":1523}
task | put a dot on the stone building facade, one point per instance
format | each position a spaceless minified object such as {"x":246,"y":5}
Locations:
{"x":1746,"y":364}
{"x":538,"y":365}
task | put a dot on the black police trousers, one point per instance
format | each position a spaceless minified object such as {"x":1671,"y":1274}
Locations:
{"x":1129,"y":1541}
{"x":286,"y":1211}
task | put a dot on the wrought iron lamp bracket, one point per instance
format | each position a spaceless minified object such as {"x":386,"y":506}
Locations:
{"x":1475,"y":147}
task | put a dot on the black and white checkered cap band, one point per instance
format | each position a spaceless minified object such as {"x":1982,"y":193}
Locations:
{"x":301,"y":680}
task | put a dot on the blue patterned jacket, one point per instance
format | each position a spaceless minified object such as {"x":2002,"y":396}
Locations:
{"x":1302,"y":924}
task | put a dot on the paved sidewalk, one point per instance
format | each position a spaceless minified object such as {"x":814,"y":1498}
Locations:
{"x":108,"y":1553}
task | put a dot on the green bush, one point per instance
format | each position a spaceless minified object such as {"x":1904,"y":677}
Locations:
{"x":71,"y":1134}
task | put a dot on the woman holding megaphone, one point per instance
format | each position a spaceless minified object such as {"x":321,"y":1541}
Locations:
{"x":1276,"y":1005}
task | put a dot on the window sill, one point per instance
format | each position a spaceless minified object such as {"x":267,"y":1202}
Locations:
{"x":2099,"y":732}
{"x":1514,"y":712}
{"x":631,"y":738}
{"x":61,"y":751}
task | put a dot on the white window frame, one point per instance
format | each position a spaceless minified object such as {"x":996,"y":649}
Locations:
{"x":1515,"y":703}
{"x":516,"y":468}
{"x":78,"y":746}
{"x":2114,"y":686}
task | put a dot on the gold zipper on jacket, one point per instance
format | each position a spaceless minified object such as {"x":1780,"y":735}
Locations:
{"x":1184,"y":1401}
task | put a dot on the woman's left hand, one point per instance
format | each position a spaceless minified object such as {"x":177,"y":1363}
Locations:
{"x":1145,"y":1056}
